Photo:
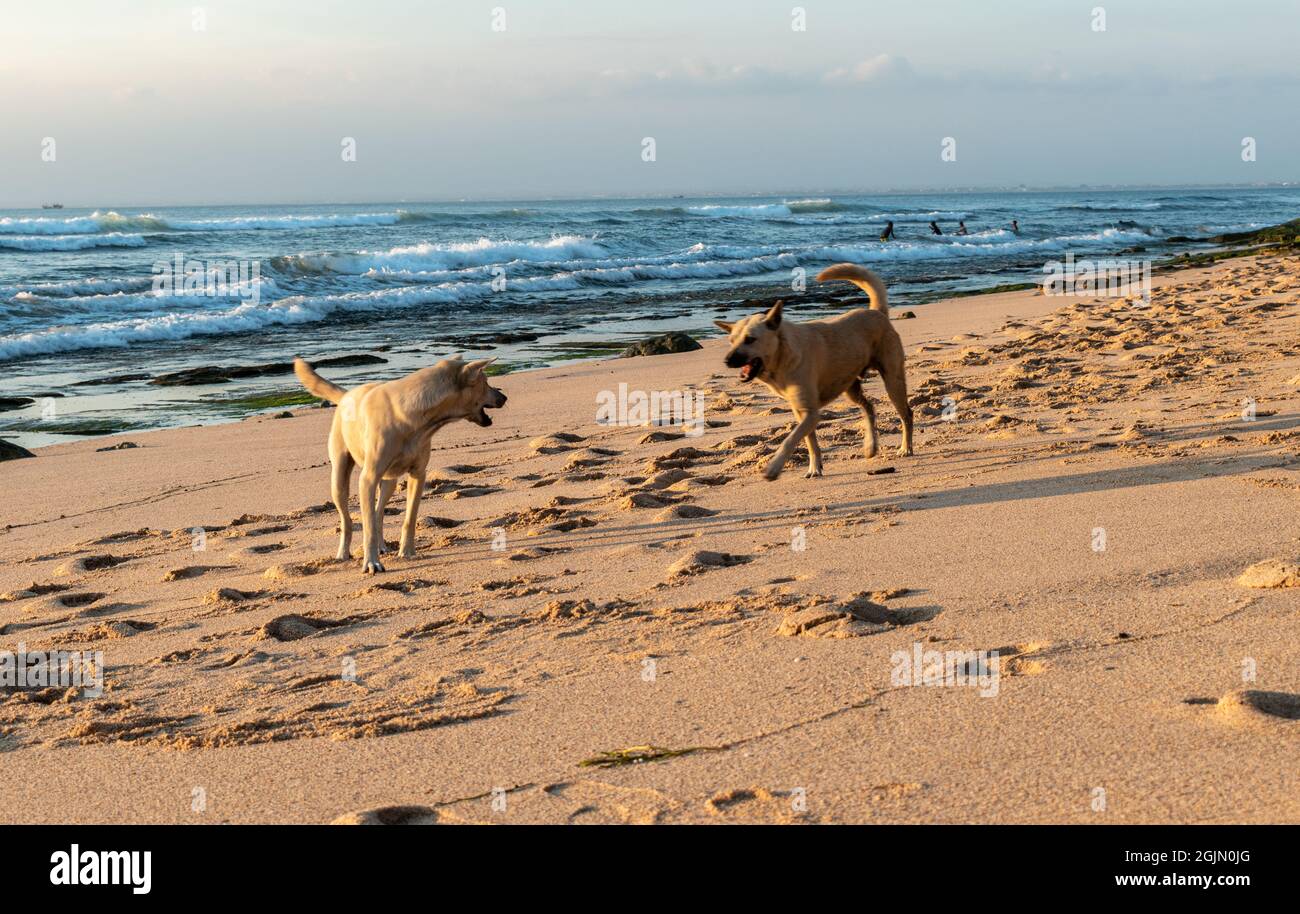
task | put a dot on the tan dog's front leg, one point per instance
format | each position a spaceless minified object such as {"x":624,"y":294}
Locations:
{"x":372,"y":521}
{"x":414,"y":489}
{"x":814,"y":456}
{"x":807,"y":422}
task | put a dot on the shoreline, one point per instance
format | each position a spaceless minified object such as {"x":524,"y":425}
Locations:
{"x":248,"y":404}
{"x":607,"y":624}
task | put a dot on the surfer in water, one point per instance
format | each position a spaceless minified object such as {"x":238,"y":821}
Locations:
{"x":934,"y":228}
{"x":961,"y":228}
{"x":1015,"y":226}
{"x":888,"y":233}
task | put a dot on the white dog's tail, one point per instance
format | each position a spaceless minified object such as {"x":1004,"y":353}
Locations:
{"x":315,"y":384}
{"x":864,"y":279}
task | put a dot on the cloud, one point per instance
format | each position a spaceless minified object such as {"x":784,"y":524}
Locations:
{"x":879,"y":69}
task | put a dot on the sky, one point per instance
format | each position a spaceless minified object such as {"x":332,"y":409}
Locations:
{"x":233,"y":101}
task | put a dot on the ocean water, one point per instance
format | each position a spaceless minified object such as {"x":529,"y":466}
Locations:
{"x":84,"y":324}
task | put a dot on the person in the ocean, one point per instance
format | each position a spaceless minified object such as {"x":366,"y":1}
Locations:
{"x":961,"y":228}
{"x":888,"y":233}
{"x":934,"y":228}
{"x":1015,"y":226}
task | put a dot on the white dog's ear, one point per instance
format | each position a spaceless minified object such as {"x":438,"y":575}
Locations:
{"x":725,"y":326}
{"x":774,"y":315}
{"x":474,"y":368}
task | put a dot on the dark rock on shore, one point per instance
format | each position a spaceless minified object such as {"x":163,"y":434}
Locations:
{"x":114,"y":379}
{"x":15,"y":402}
{"x":11,"y":451}
{"x":662,"y":345}
{"x":217,"y":374}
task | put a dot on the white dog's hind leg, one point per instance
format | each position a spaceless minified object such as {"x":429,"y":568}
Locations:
{"x":372,"y":521}
{"x":341,"y":475}
{"x":414,"y":489}
{"x":386,"y":487}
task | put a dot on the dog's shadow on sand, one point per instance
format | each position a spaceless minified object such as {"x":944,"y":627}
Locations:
{"x":609,"y":534}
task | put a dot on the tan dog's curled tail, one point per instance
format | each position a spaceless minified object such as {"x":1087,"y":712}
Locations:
{"x":864,"y":279}
{"x":315,"y":384}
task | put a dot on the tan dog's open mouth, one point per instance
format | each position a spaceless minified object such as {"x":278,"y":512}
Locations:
{"x":482,"y":418}
{"x":751,"y":369}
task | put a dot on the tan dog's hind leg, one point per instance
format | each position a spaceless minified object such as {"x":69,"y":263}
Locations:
{"x":372,"y":521}
{"x":896,"y":387}
{"x":807,"y":423}
{"x":414,"y":489}
{"x":870,"y":439}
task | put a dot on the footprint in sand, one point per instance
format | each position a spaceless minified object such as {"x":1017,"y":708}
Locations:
{"x":108,"y":631}
{"x":534,"y":552}
{"x":76,"y":600}
{"x":471,"y":492}
{"x":704,"y":560}
{"x":684,"y":512}
{"x":465,"y":469}
{"x":555,"y":443}
{"x":1254,"y":706}
{"x":264,"y":548}
{"x":406,"y":587}
{"x":390,"y":815}
{"x":852,"y":618}
{"x":192,"y":571}
{"x":126,"y":536}
{"x":33,"y":590}
{"x":231,"y":595}
{"x":755,"y":804}
{"x":292,"y":627}
{"x":296,"y":569}
{"x":442,"y":523}
{"x":657,"y":437}
{"x":88,"y":563}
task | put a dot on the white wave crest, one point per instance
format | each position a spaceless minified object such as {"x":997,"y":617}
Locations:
{"x":459,"y":256}
{"x":71,"y":242}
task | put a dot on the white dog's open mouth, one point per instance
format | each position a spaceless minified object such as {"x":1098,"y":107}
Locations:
{"x":751,"y":369}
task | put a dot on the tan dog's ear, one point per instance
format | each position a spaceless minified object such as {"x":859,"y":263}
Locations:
{"x":724,"y":325}
{"x":475,"y":368}
{"x":774,"y":315}
{"x":472,"y":369}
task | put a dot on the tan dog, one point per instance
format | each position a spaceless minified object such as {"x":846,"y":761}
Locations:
{"x":385,"y":429}
{"x":811,"y":364}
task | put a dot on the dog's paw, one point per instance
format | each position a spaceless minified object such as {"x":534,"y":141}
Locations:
{"x":904,"y":451}
{"x":371,"y":567}
{"x":812,"y":474}
{"x":406,"y":553}
{"x":772,"y":471}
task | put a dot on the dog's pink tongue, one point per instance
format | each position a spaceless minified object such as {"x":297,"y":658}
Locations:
{"x":745,"y":370}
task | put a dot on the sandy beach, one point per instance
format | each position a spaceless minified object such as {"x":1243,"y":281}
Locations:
{"x":625,"y":624}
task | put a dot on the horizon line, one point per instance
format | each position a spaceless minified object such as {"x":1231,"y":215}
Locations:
{"x":669,"y":195}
